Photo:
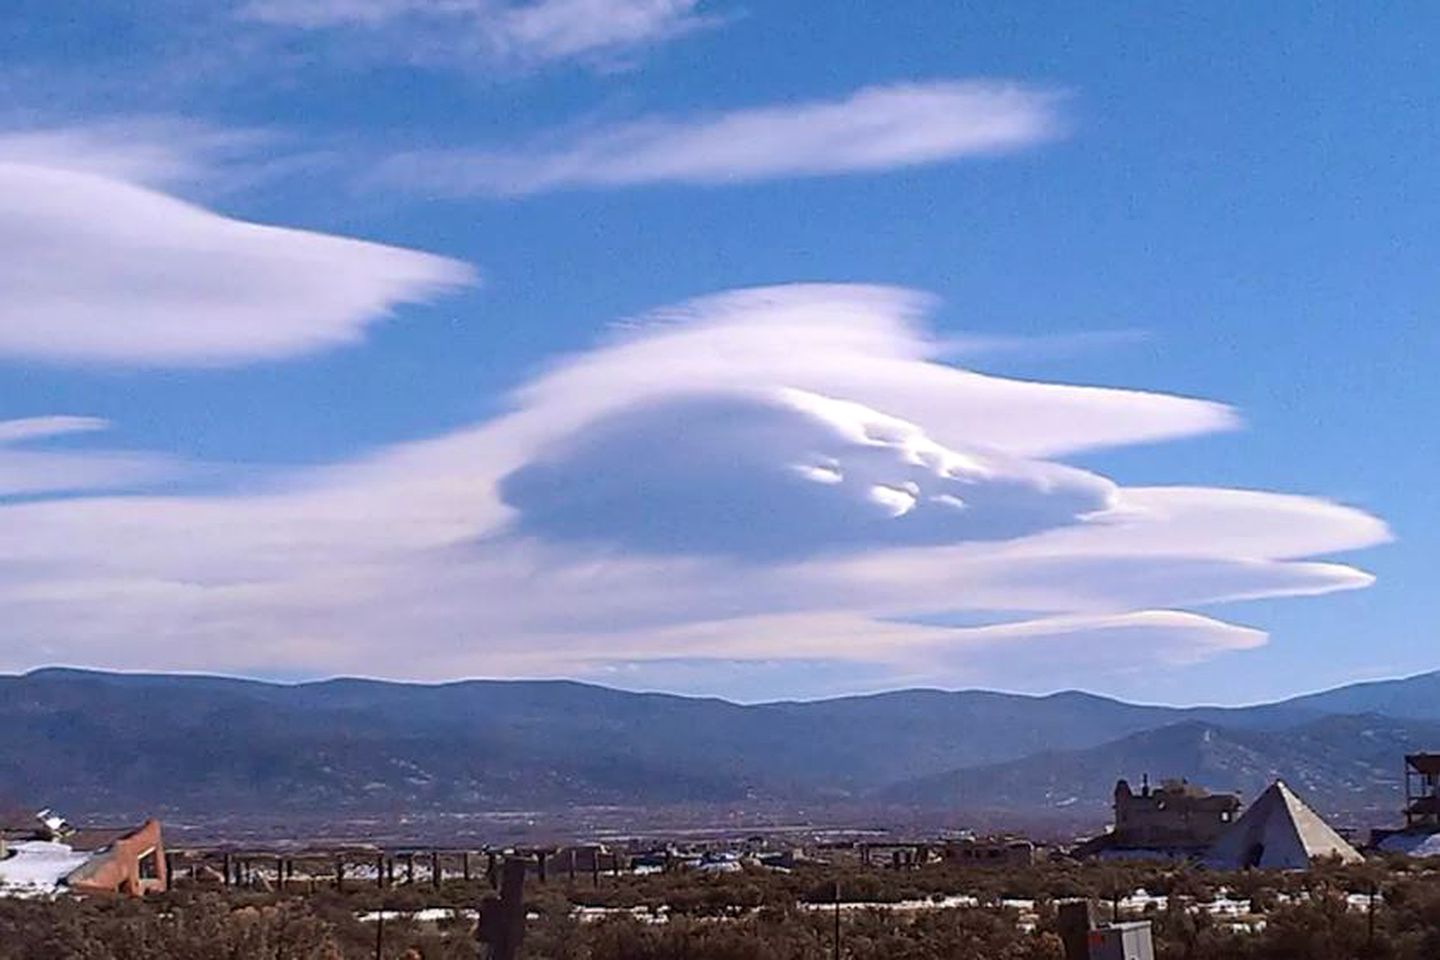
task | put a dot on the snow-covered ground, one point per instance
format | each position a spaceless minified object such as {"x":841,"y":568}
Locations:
{"x":642,"y":914}
{"x":426,"y":915}
{"x":1412,"y":844}
{"x":36,"y":867}
{"x":1232,"y":912}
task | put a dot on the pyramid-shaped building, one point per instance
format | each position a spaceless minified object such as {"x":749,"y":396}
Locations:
{"x":1278,"y":832}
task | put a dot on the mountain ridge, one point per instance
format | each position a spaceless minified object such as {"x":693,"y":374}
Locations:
{"x":224,"y":744}
{"x":1342,"y":762}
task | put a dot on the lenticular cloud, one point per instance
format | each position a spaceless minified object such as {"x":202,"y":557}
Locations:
{"x":865,"y":344}
{"x":98,"y":270}
{"x":782,"y":475}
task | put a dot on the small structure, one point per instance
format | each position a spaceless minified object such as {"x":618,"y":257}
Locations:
{"x":48,"y":855}
{"x":1422,"y":800}
{"x":1084,"y":939}
{"x":1006,"y":850}
{"x":1123,"y":941}
{"x":26,"y":825}
{"x":1420,"y":837}
{"x":900,"y":854}
{"x":1279,"y":832}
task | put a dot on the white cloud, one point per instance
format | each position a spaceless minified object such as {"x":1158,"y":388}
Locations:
{"x":873,"y":129}
{"x":1157,"y":547}
{"x":784,"y":474}
{"x":37,"y":428}
{"x":470,"y":32}
{"x":915,"y":649}
{"x":866,"y":344}
{"x":29,"y":472}
{"x":101,"y":270}
{"x":817,"y":655}
{"x":411,"y":563}
{"x":1123,"y":651}
{"x":149,"y":150}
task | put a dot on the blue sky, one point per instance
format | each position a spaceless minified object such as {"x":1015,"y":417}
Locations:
{"x":281,"y":453}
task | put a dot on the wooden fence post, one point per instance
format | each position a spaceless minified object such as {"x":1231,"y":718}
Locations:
{"x":502,"y":918}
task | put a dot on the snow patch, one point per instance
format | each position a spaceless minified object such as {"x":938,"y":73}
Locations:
{"x":37,"y":867}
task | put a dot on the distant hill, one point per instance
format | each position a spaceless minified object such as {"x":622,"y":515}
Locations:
{"x":1415,"y":698}
{"x":89,"y":740}
{"x":1342,"y":763}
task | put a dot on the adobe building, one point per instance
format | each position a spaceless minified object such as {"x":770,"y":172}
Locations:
{"x":1177,"y":815}
{"x":127,"y":861}
{"x":1175,"y":819}
{"x":43,"y":854}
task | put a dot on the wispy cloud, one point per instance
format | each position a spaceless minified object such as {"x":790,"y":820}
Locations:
{"x":29,"y":471}
{"x":474,"y":33}
{"x":100,"y":267}
{"x":1043,"y":346}
{"x":319,"y":573}
{"x":1125,"y":650}
{"x":148,"y":150}
{"x":876,"y":128}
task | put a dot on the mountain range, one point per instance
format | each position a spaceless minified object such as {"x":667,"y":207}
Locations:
{"x":208,"y":745}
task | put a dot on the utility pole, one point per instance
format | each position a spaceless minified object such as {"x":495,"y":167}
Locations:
{"x":1370,"y":921}
{"x":837,"y":920}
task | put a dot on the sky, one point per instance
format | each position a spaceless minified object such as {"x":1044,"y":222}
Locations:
{"x":757,"y":351}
